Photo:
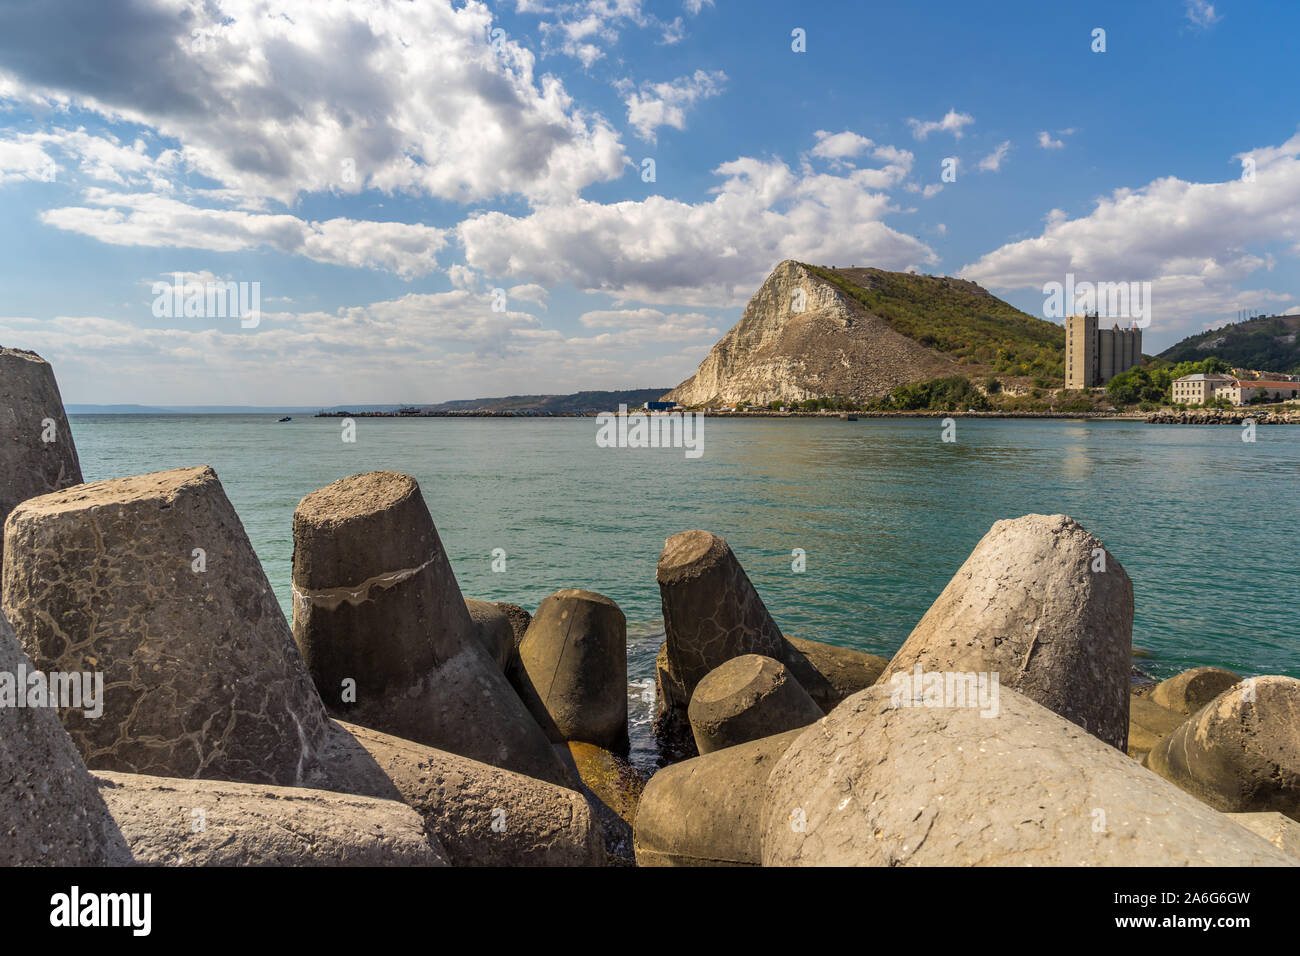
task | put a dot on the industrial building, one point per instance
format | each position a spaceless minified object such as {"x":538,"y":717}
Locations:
{"x":1093,"y":356}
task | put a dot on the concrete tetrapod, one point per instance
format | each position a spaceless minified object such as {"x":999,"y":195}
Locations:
{"x":50,"y":811}
{"x":846,"y":671}
{"x":712,"y":613}
{"x":152,"y":581}
{"x":574,"y":669}
{"x":482,"y":815}
{"x":1041,"y":603}
{"x":708,"y":811}
{"x":37,"y":455}
{"x":1148,"y":724}
{"x":493,"y":630}
{"x":387,"y":636}
{"x":885,"y":780}
{"x":1241,"y":751}
{"x":203,"y":678}
{"x":168,"y":821}
{"x":746,"y":698}
{"x":1191,"y":690}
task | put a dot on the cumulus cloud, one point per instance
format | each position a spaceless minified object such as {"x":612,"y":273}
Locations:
{"x":429,"y":102}
{"x":952,"y":122}
{"x":993,"y":161}
{"x":652,"y":325}
{"x":25,"y":159}
{"x":529,"y":292}
{"x":1193,"y":241}
{"x":661,"y":250}
{"x":1045,"y":141}
{"x":844,"y":145}
{"x":665,"y":104}
{"x":141,"y":219}
{"x":413,"y":348}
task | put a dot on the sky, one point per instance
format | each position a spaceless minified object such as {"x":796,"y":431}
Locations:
{"x":433,"y":200}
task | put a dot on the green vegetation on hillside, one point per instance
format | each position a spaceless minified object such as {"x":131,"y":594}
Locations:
{"x":575,"y":404}
{"x":953,"y":394}
{"x":1269,"y":343}
{"x":1151,"y":383}
{"x":952,"y":316}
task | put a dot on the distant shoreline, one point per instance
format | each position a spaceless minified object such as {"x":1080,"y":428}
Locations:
{"x":829,"y":416}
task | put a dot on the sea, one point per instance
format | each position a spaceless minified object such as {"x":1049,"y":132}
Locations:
{"x":849,"y":529}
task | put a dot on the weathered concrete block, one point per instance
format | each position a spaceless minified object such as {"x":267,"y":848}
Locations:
{"x":1241,"y":751}
{"x":885,"y":781}
{"x":37,"y":454}
{"x":1041,"y":603}
{"x":1191,"y":690}
{"x":172,"y":822}
{"x":152,"y":581}
{"x":50,"y":811}
{"x":712,"y":613}
{"x":493,"y":631}
{"x":1148,"y":724}
{"x":574,"y":660}
{"x":1279,"y":830}
{"x":211,"y":685}
{"x":387,"y":636}
{"x":708,"y":811}
{"x":519,"y":620}
{"x":746,"y":698}
{"x":482,"y":815}
{"x":846,"y":671}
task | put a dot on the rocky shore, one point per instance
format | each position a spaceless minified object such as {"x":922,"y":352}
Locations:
{"x":1220,"y":416}
{"x":395,"y":722}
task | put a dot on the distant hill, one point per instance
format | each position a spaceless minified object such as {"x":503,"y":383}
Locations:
{"x":815,"y":332}
{"x":575,"y":404}
{"x":74,"y":408}
{"x":1268,"y":343}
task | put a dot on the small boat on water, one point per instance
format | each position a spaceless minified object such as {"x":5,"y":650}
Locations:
{"x":286,"y":419}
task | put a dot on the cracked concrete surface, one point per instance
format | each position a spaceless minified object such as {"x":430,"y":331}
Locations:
{"x":880,"y":785}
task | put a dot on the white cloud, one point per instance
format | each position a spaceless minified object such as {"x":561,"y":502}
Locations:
{"x":529,"y":292}
{"x":952,"y":122}
{"x":139,"y":219}
{"x":260,"y":104}
{"x":660,"y":250}
{"x":665,"y":104}
{"x":652,"y":325}
{"x":993,"y":161}
{"x":1202,"y":13}
{"x":844,"y":145}
{"x":24,"y":159}
{"x":1193,"y":241}
{"x":413,"y":348}
{"x":1045,"y":141}
{"x":585,"y":29}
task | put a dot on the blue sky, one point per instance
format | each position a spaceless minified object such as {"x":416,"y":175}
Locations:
{"x":380,"y":169}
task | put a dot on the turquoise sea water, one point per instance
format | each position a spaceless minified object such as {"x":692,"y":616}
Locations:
{"x":884,"y":510}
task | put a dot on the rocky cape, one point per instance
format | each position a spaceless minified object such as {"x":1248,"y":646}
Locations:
{"x":805,"y":334}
